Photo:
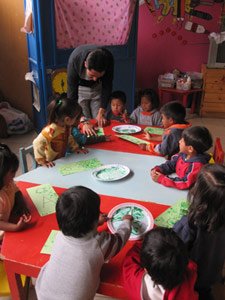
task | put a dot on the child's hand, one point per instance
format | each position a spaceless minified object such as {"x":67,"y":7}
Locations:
{"x":82,"y":150}
{"x":128,"y":217}
{"x":48,"y":164}
{"x":21,"y":223}
{"x":102,"y":218}
{"x":88,"y":129}
{"x":107,"y":138}
{"x":155,"y":175}
{"x":125,"y":117}
{"x":148,"y":136}
{"x":26,"y":218}
{"x":143,"y":146}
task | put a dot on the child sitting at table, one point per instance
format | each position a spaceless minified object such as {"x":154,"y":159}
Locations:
{"x":147,"y":112}
{"x":159,"y":268}
{"x":117,"y":110}
{"x":195,"y":141}
{"x":12,"y":204}
{"x":79,"y":251}
{"x":203,"y":229}
{"x":53,"y":140}
{"x":173,"y":120}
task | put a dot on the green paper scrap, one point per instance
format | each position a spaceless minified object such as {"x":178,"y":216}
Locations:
{"x":173,"y":214}
{"x":44,"y":198}
{"x":47,"y":248}
{"x":132,"y":139}
{"x":154,"y":130}
{"x":80,"y":166}
{"x":100,"y":131}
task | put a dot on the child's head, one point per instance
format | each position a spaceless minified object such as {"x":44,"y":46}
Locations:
{"x":164,"y":256}
{"x":118,"y":102}
{"x":149,"y":100}
{"x":173,"y":113}
{"x":9,"y":164}
{"x":77,"y":211}
{"x":207,"y":205}
{"x":197,"y":138}
{"x":64,"y":111}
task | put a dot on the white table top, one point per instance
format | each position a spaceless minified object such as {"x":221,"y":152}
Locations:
{"x":137,"y":185}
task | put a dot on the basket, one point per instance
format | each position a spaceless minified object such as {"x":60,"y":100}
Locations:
{"x":165,"y":83}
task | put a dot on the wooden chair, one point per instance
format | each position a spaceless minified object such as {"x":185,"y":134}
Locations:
{"x":218,"y":153}
{"x":23,"y":155}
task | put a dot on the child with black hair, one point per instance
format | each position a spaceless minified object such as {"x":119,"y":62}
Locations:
{"x":54,"y":139}
{"x":159,"y":268}
{"x":195,"y":141}
{"x":203,"y":229}
{"x":147,"y":112}
{"x":117,"y":109}
{"x":79,"y":251}
{"x":173,"y":120}
{"x":12,"y":203}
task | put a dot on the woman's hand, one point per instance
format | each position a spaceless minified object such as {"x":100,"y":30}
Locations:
{"x":88,"y":129}
{"x":101,"y":118}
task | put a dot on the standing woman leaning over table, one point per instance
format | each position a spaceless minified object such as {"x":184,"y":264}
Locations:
{"x":89,"y":82}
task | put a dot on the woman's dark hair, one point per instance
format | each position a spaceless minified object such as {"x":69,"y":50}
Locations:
{"x":77,"y":211}
{"x":174,"y":110}
{"x":152,"y":96}
{"x":198,"y":137}
{"x":8,"y":162}
{"x":164,"y":256}
{"x":98,"y":60}
{"x":207,"y":198}
{"x":61,"y":107}
{"x":118,"y":95}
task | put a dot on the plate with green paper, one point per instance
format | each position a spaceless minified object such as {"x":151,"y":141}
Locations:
{"x":143,"y":219}
{"x":126,"y":129}
{"x":111,"y":172}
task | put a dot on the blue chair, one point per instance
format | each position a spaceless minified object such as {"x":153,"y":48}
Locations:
{"x":24,"y":153}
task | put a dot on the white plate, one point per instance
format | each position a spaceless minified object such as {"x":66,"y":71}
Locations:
{"x":111,"y":172}
{"x":126,"y":129}
{"x":143,"y":219}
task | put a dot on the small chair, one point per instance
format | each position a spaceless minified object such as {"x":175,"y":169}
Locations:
{"x":218,"y":153}
{"x":23,"y":152}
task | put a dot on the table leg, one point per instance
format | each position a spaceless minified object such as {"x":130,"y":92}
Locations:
{"x":17,"y":289}
{"x":185,"y":97}
{"x":193,"y":104}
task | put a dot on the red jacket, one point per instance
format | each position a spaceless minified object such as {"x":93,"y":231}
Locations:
{"x":133,"y":275}
{"x":186,"y":170}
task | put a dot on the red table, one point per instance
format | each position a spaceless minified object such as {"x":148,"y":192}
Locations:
{"x":118,"y":144}
{"x":21,"y":250}
{"x":183,"y":94}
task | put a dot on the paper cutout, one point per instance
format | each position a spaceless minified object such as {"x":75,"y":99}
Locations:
{"x":154,"y":130}
{"x":80,"y":166}
{"x":100,"y":131}
{"x":173,"y":214}
{"x":44,"y":198}
{"x":47,"y":248}
{"x":132,"y":139}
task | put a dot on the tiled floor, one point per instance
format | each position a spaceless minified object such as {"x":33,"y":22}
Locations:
{"x":216,"y":127}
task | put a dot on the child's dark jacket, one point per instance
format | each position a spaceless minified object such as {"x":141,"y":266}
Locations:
{"x":206,"y":249}
{"x":170,"y":140}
